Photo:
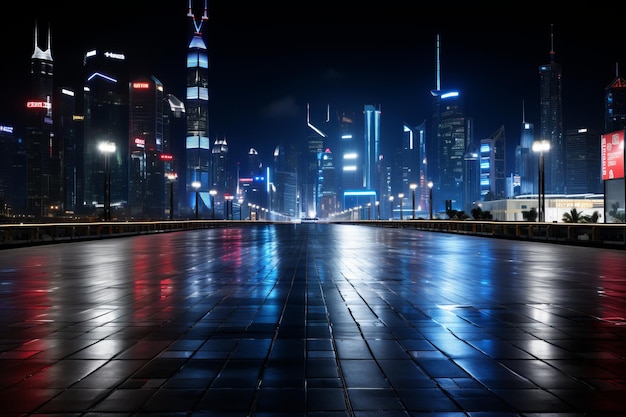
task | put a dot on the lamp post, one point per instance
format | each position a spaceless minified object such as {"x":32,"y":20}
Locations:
{"x":401,"y":197}
{"x":369,"y":210}
{"x":196,"y":185}
{"x":107,"y":148}
{"x":430,"y":200}
{"x":229,"y":201}
{"x":541,"y":146}
{"x":377,"y":210}
{"x":172,"y":176}
{"x":390,"y":207}
{"x":413,"y":187}
{"x":212,"y":193}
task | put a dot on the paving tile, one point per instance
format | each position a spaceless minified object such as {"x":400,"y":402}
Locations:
{"x":327,"y":321}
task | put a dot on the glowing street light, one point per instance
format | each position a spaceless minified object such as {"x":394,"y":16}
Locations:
{"x":171,"y":176}
{"x":430,"y":200}
{"x":212,"y":193}
{"x":413,"y":187}
{"x":107,"y":148}
{"x":541,"y":146}
{"x":377,"y":210}
{"x":391,"y":207}
{"x":196,"y":185}
{"x":401,"y":197}
{"x":229,"y":201}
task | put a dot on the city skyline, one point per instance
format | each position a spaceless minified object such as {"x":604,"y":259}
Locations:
{"x":265,"y":68}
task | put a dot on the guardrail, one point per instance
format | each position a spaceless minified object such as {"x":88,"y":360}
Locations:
{"x":607,"y":235}
{"x":30,"y":234}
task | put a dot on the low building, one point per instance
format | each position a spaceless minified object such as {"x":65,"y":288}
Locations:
{"x":556,"y":205}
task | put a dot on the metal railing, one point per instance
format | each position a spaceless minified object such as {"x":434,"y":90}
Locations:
{"x":607,"y":235}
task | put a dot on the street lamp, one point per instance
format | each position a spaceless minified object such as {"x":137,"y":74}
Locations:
{"x":229,"y":201}
{"x":171,"y":176}
{"x":377,"y":210}
{"x":391,"y":207}
{"x":369,"y":210}
{"x":107,"y":148}
{"x":212,"y":193}
{"x":401,"y":197}
{"x":413,"y":187}
{"x":196,"y":185}
{"x":541,"y":146}
{"x":430,"y":200}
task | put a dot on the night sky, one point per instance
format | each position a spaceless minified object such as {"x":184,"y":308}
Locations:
{"x":269,"y":59}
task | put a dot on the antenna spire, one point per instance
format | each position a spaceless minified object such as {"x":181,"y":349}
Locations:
{"x":552,"y":43}
{"x":438,"y":64}
{"x":205,"y":16}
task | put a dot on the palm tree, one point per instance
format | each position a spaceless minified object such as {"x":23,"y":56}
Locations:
{"x":574,"y":216}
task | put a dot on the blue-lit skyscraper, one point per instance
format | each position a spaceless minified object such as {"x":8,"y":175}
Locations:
{"x":447,"y":145}
{"x":197,"y":146}
{"x":371,"y":150}
{"x":551,"y":123}
{"x":526,"y":164}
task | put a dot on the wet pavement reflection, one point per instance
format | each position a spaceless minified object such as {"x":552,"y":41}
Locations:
{"x":312,"y":320}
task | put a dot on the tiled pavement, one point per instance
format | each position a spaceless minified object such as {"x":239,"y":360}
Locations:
{"x":312,"y":320}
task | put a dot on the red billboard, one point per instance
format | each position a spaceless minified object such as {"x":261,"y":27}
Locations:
{"x":612,"y":148}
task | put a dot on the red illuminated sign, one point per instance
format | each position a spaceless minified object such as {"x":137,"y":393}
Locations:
{"x":142,"y":85}
{"x":38,"y":105}
{"x":166,"y":157}
{"x":612,"y":155}
{"x":140,"y":142}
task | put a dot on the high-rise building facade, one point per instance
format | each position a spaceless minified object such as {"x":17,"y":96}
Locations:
{"x":525,"y":162}
{"x":615,"y":104}
{"x":371,"y":149}
{"x":43,"y":150}
{"x":551,"y":123}
{"x":12,"y":172}
{"x":582,"y":150}
{"x":106,"y":119}
{"x":67,"y":135}
{"x":446,"y":153}
{"x":197,"y":146}
{"x":145,"y":144}
{"x":326,"y":184}
{"x":450,"y":136}
{"x":221,"y":180}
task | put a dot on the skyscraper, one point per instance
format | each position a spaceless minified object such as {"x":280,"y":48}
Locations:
{"x":146,"y":163}
{"x":198,"y":148}
{"x":371,"y":150}
{"x":220,"y":168}
{"x":583,"y":161}
{"x":42,"y":148}
{"x":525,"y":161}
{"x":448,"y":143}
{"x":105,"y":121}
{"x":551,"y":123}
{"x":615,"y":104}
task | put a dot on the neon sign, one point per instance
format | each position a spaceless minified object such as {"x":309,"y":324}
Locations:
{"x":38,"y":105}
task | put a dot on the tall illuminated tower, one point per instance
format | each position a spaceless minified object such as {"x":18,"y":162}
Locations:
{"x":42,"y":149}
{"x":106,"y":115}
{"x":551,"y":123}
{"x":449,"y":140}
{"x":372,"y":146}
{"x":197,"y":146}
